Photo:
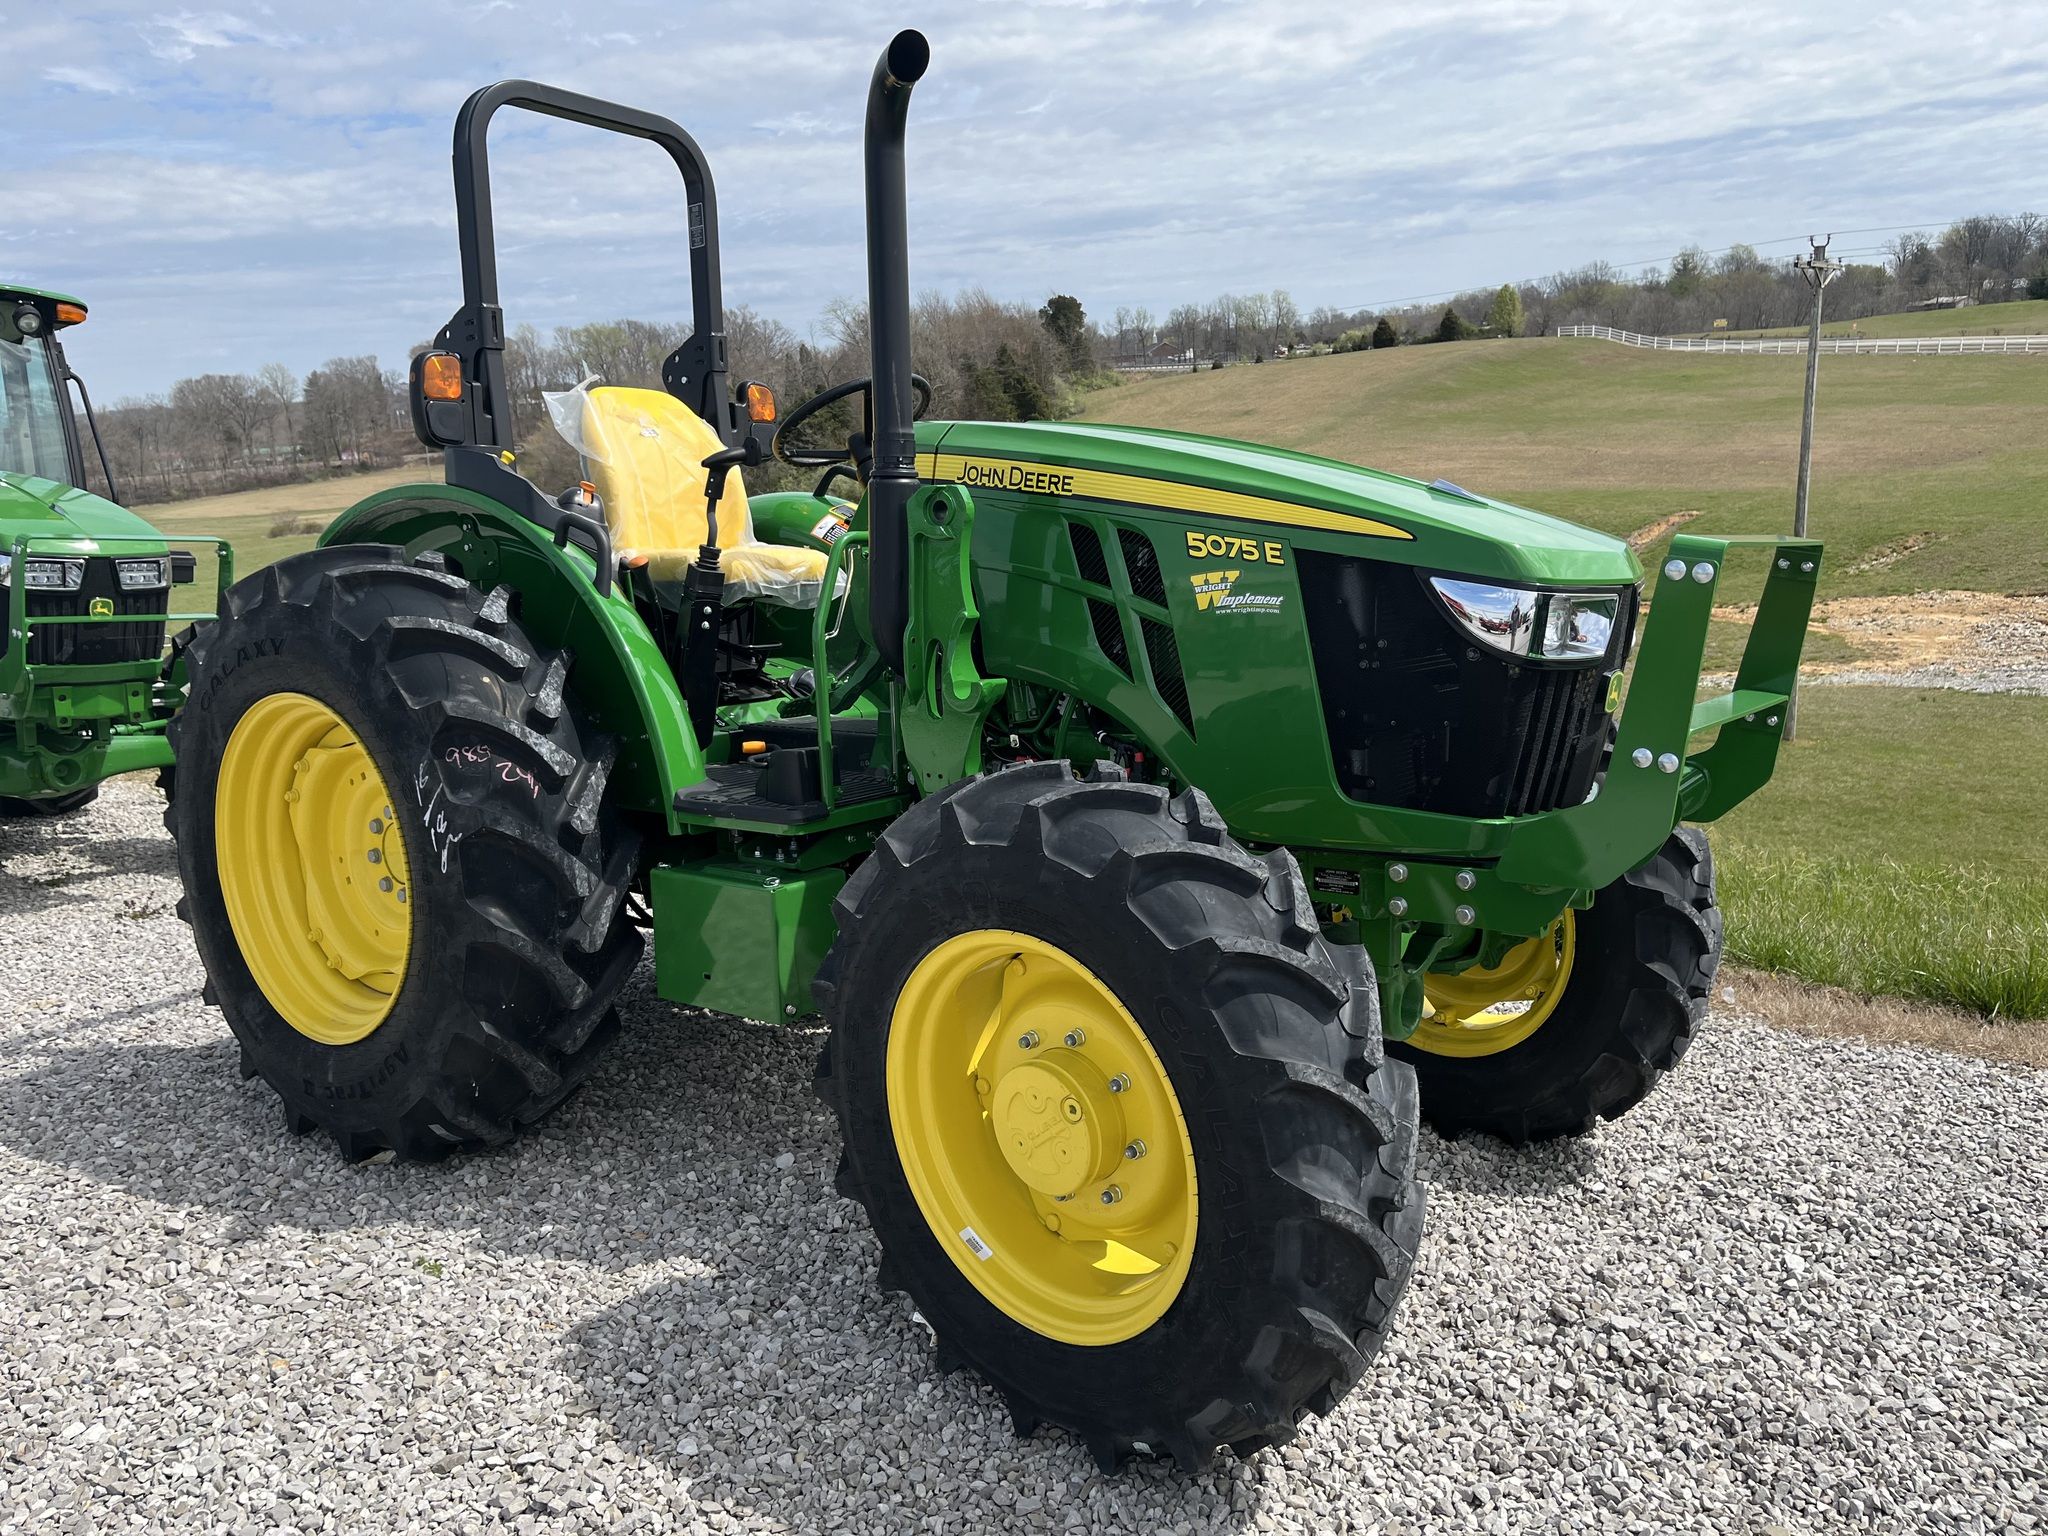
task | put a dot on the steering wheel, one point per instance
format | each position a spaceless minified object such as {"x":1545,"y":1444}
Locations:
{"x":817,"y":458}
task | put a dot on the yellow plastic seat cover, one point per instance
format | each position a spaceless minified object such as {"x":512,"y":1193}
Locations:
{"x":645,"y":451}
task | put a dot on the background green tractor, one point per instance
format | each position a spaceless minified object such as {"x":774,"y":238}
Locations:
{"x":84,"y":693}
{"x":1115,"y":793}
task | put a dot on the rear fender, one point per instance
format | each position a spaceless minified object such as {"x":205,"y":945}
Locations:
{"x":619,"y":676}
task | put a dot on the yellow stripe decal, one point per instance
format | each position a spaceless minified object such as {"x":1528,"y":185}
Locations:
{"x":1137,"y":491}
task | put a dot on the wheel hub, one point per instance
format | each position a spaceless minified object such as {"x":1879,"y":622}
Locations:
{"x":1057,"y":1124}
{"x":1059,"y":1177}
{"x":1485,"y":1009}
{"x":313,"y":869}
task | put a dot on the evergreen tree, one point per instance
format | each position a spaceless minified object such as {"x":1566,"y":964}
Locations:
{"x":1067,"y":324}
{"x":1384,"y":334}
{"x":1452,"y":327}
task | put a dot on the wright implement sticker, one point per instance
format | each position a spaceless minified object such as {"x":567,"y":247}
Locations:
{"x":975,"y":1245}
{"x":1217,"y":591}
{"x":832,"y":527}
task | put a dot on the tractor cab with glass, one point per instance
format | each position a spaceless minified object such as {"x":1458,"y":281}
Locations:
{"x":86,"y":586}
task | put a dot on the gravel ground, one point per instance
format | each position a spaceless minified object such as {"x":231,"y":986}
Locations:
{"x":1802,"y":1290}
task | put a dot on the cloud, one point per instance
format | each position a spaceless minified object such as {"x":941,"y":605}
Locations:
{"x":83,"y":77}
{"x":267,"y":181}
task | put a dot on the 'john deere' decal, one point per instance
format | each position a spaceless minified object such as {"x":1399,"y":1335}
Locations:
{"x":1030,"y":478}
{"x":1216,"y":591}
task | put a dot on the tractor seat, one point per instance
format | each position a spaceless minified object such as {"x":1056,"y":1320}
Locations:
{"x":645,"y":450}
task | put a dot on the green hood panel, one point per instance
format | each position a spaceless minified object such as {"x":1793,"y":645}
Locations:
{"x":50,"y":509}
{"x":1342,"y":506}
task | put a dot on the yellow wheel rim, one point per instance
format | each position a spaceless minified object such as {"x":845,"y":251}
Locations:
{"x":1042,"y":1138}
{"x":313,"y":869}
{"x":1491,"y":1008}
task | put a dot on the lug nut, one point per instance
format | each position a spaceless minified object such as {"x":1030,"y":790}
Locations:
{"x":1135,"y":1151}
{"x":1111,"y":1195}
{"x":1466,"y":880}
{"x":1642,"y":757}
{"x":376,"y":856}
{"x":376,"y":826}
{"x":401,"y":894}
{"x":1119,"y":1083}
{"x":1398,"y":906}
{"x":1076,"y":1037}
{"x":384,"y":883}
{"x":1028,"y":1041}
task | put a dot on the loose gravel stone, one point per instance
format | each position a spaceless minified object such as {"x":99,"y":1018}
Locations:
{"x":1800,"y":1290}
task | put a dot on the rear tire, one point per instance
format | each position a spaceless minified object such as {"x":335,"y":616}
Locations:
{"x":1266,"y":1039}
{"x":1647,"y":950}
{"x":517,"y":871}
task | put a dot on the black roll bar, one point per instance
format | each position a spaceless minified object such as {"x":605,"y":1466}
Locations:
{"x":695,"y":373}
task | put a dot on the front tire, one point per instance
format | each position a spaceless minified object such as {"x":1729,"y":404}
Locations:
{"x":1638,"y":974}
{"x":399,"y":870}
{"x":1139,"y":1161}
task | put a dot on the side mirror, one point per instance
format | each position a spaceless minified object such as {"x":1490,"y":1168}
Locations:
{"x":440,"y":415}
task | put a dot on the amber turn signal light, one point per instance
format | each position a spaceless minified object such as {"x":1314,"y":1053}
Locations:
{"x":70,"y":314}
{"x":441,"y":376}
{"x":760,"y":403}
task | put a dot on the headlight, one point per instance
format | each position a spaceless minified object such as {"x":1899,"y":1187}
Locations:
{"x":143,"y":573}
{"x":54,"y":575}
{"x":1524,"y":621}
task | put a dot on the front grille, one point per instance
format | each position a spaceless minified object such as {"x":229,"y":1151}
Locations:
{"x":110,"y":643}
{"x":1422,"y":717}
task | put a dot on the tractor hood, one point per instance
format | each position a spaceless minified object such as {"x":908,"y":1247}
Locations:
{"x":49,"y":509}
{"x":1441,"y":526}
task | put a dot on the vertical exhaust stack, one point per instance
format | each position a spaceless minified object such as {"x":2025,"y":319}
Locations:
{"x":894,"y":477}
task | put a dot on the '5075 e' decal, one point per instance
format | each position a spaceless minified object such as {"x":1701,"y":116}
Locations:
{"x":1234,"y":546}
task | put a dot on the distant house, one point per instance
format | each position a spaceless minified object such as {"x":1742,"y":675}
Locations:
{"x":1945,"y":301}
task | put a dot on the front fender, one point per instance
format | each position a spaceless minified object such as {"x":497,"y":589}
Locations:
{"x":619,"y":676}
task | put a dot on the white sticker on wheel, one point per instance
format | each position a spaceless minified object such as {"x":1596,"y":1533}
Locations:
{"x":975,"y":1245}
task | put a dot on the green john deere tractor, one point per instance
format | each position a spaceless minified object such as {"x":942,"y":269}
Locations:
{"x":1155,"y":820}
{"x":84,"y":691}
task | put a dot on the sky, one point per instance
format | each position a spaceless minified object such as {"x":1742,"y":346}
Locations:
{"x":270,"y":182}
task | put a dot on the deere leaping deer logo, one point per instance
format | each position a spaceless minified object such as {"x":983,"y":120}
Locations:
{"x":101,"y":608}
{"x":1217,"y":591}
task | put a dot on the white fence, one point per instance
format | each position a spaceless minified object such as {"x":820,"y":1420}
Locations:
{"x":1914,"y":346}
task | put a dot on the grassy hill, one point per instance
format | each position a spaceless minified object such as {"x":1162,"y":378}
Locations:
{"x":1941,"y":449}
{"x":2021,"y":317}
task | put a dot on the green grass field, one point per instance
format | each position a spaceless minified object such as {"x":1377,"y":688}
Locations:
{"x":249,"y":519}
{"x":1899,"y":850}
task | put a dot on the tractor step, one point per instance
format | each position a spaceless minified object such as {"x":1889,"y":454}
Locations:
{"x":782,"y":791}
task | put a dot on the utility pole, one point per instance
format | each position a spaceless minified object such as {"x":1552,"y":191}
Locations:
{"x":1818,"y":272}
